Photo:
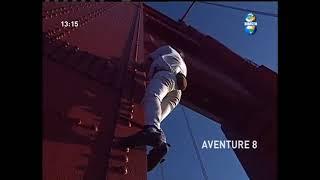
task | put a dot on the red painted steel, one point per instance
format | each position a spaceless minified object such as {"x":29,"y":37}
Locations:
{"x":84,"y":70}
{"x":131,"y":96}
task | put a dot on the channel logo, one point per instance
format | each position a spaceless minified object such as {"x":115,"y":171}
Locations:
{"x":250,"y":24}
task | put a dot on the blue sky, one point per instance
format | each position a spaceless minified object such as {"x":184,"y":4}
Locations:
{"x":226,"y":26}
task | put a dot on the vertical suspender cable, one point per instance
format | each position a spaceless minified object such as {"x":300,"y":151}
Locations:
{"x":161,"y":169}
{"x":204,"y":173}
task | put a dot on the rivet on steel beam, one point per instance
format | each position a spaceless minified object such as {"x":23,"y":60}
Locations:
{"x":125,"y":122}
{"x":127,"y":108}
{"x":125,"y":159}
{"x":96,"y":129}
{"x":126,"y":116}
{"x":123,"y":170}
{"x":126,"y":150}
{"x":79,"y":122}
{"x":77,"y":49}
{"x":67,"y":45}
{"x":129,"y":124}
{"x":126,"y":104}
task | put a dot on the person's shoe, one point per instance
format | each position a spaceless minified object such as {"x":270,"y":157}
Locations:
{"x":150,"y":136}
{"x":156,"y":155}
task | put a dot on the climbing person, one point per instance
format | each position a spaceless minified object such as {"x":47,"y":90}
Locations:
{"x":167,"y":79}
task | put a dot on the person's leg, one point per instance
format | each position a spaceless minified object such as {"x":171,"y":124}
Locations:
{"x":157,"y":90}
{"x":155,"y":156}
{"x":169,"y":102}
{"x":152,"y":134}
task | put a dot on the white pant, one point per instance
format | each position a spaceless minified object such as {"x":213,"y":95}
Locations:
{"x":160,"y":98}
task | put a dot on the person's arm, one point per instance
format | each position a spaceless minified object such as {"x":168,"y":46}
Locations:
{"x":152,"y":58}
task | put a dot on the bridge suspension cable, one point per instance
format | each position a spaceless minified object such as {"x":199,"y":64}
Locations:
{"x":240,"y":9}
{"x":203,"y":169}
{"x":161,"y":169}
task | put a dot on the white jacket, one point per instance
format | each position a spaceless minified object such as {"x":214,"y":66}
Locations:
{"x":167,"y":58}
